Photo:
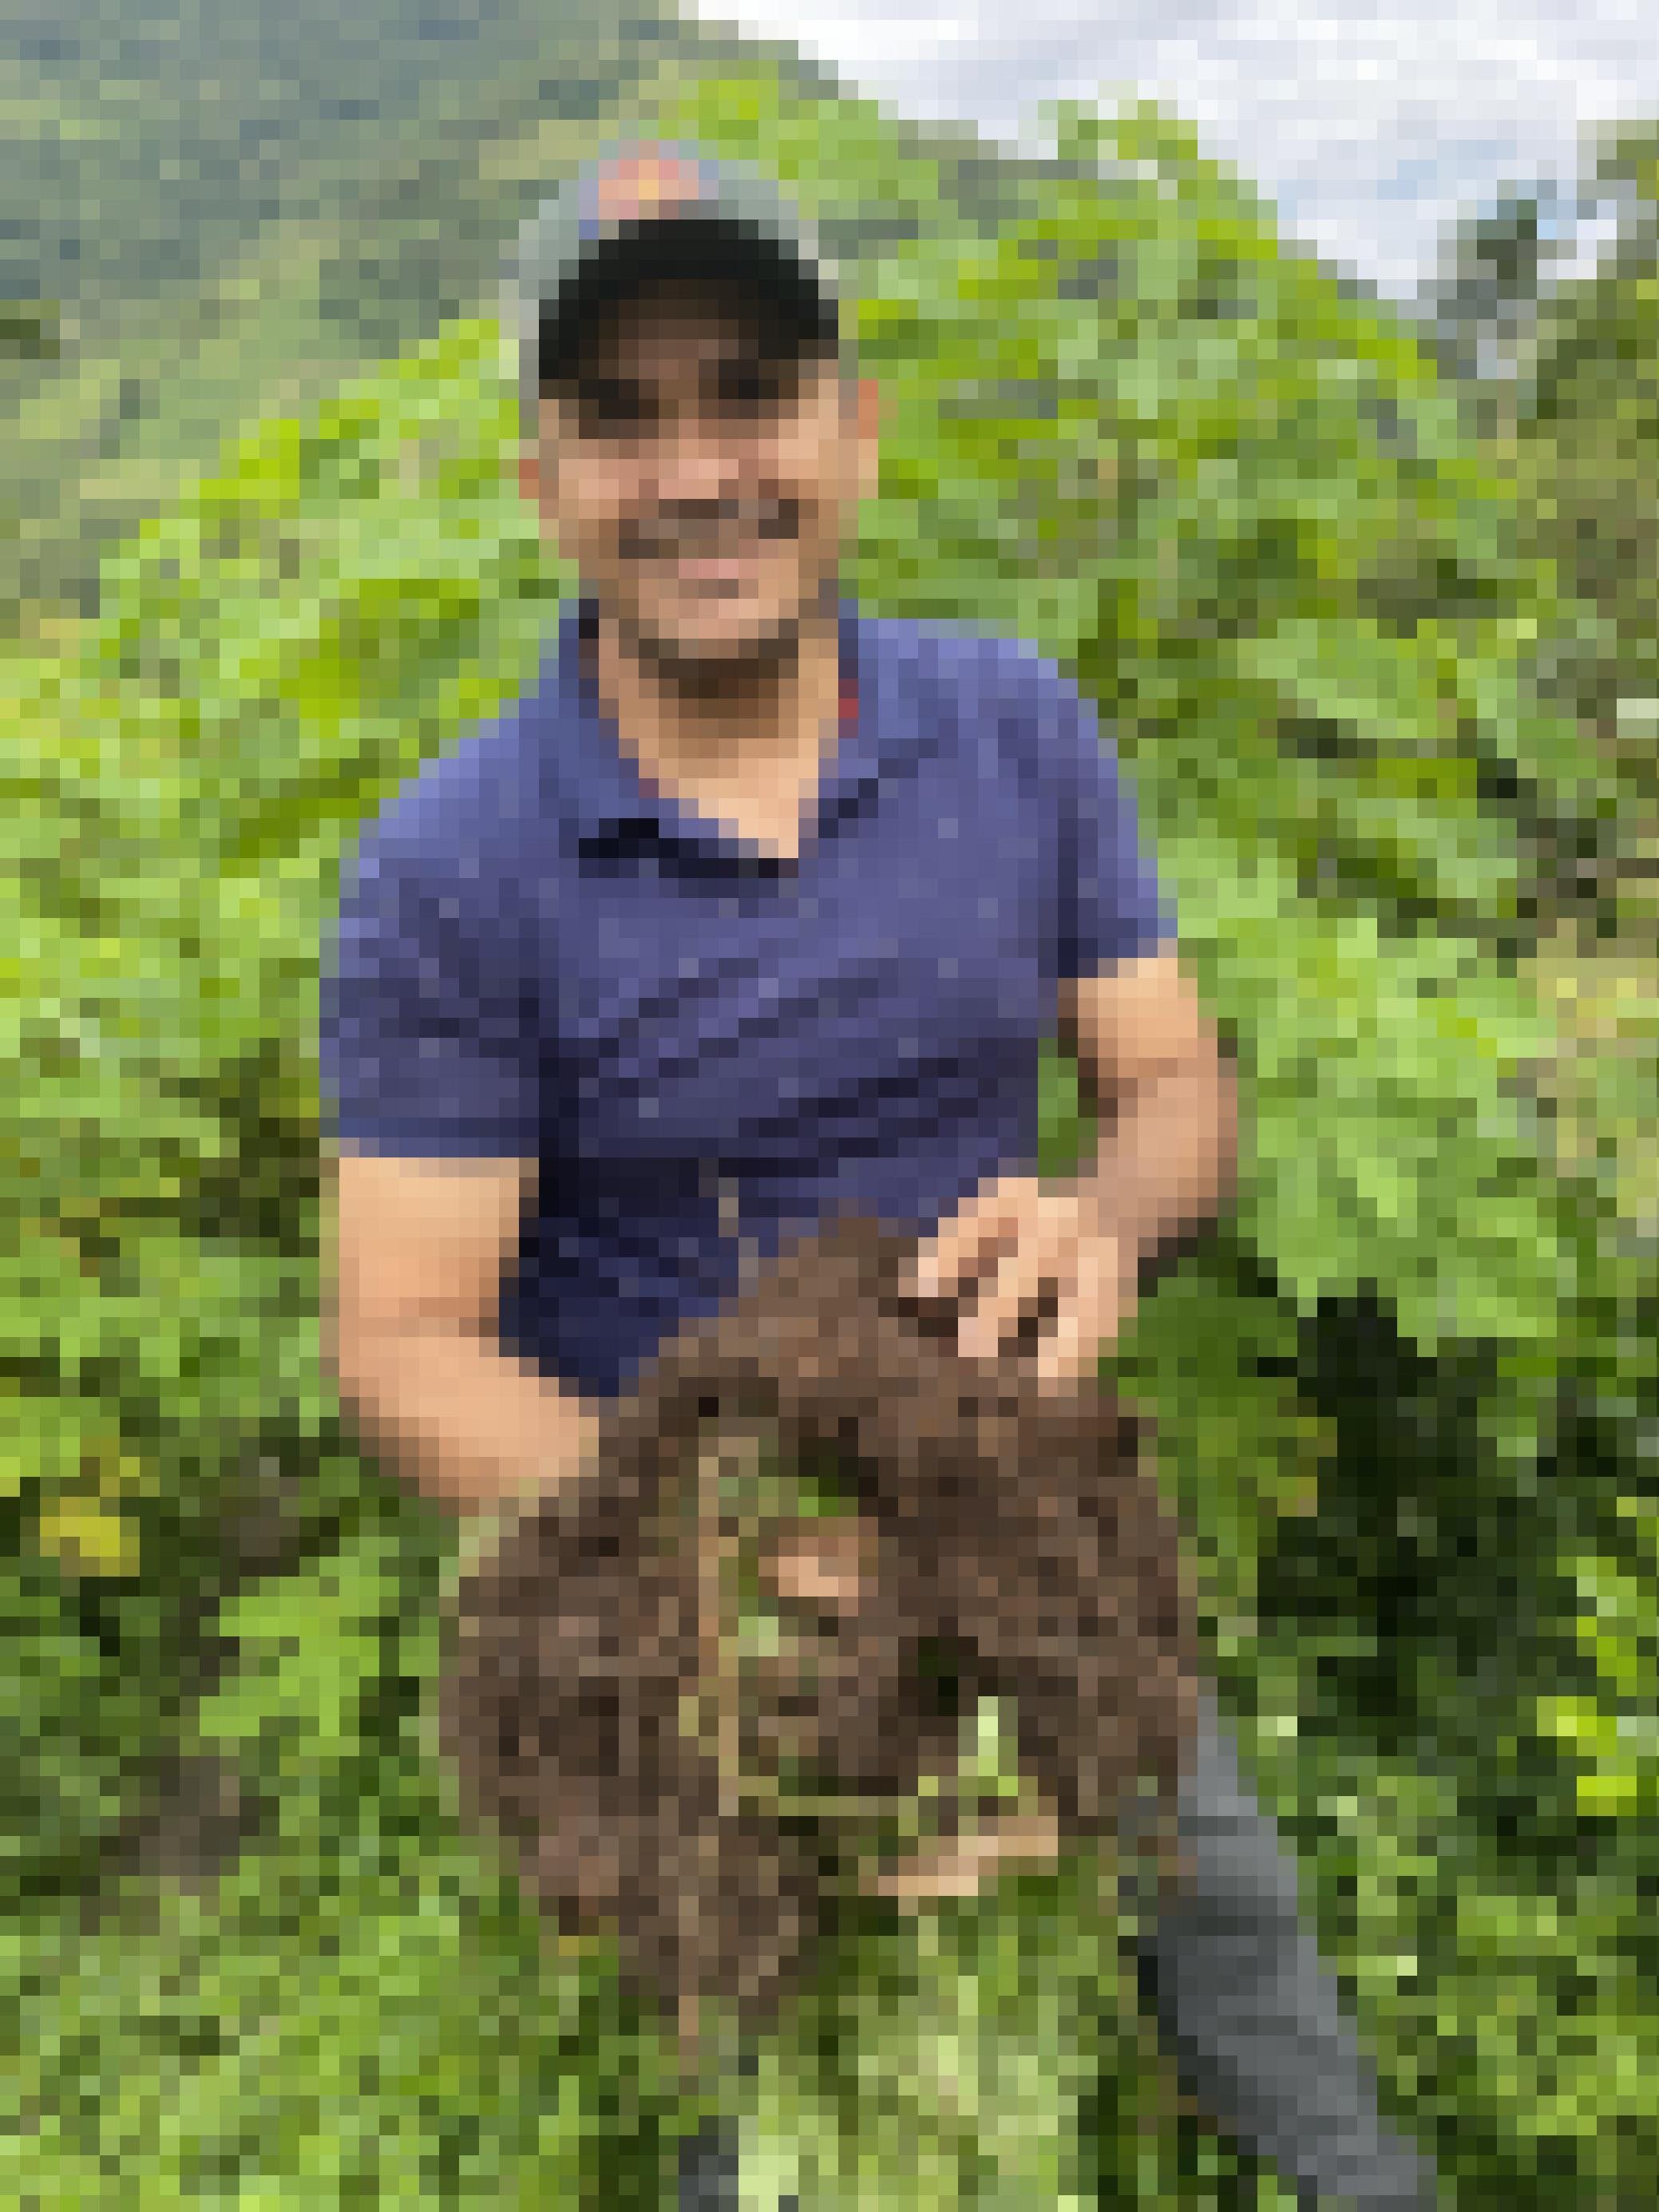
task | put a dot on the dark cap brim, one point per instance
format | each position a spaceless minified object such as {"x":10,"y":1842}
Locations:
{"x":695,"y":248}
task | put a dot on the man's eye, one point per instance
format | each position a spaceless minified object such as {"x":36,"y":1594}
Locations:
{"x":749,"y":391}
{"x":611,"y":414}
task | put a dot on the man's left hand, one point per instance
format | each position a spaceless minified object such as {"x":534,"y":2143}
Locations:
{"x":1018,"y":1241}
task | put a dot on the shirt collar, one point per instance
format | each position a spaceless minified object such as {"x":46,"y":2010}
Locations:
{"x":603,"y":796}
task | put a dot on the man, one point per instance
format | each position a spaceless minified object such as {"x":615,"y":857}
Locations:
{"x":752,"y":909}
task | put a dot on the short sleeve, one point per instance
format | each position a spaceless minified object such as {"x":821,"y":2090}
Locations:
{"x":428,"y":1032}
{"x":1111,"y":905}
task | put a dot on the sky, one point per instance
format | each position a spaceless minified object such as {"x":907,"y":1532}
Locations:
{"x":1372,"y":127}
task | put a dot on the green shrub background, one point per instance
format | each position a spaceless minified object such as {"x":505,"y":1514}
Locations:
{"x":1406,"y":1390}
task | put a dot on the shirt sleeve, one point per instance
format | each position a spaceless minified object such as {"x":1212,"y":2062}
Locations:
{"x":427,"y":1034}
{"x":1112,"y":906}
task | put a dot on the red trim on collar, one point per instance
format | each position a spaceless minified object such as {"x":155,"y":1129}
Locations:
{"x":849,"y":699}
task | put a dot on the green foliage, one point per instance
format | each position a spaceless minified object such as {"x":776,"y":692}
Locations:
{"x":1125,"y":423}
{"x":29,"y":330}
{"x":68,"y":1714}
{"x":361,"y":2011}
{"x":1575,"y":421}
{"x":176,"y":799}
{"x":947,"y":2058}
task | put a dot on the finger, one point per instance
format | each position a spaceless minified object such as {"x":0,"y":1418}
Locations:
{"x":1017,"y":1286}
{"x":951,"y":1250}
{"x":963,"y":1247}
{"x":1070,"y":1350}
{"x":1083,"y":1331}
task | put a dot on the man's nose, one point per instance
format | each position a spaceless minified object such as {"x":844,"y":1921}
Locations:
{"x":696,"y":465}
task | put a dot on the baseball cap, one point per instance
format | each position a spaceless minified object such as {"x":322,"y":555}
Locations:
{"x":651,"y":210}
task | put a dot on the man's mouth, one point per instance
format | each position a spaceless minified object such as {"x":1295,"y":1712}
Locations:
{"x":732,"y":566}
{"x":730,"y":551}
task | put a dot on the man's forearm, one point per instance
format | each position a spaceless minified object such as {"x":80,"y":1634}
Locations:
{"x":1166,"y":1159}
{"x":469,"y":1425}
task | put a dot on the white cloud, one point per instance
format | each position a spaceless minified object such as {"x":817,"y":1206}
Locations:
{"x":1372,"y":126}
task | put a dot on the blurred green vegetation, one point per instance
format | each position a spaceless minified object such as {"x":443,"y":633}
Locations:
{"x":1406,"y":1392}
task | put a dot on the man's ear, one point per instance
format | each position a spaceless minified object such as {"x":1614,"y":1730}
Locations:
{"x":867,"y":404}
{"x":530,"y":472}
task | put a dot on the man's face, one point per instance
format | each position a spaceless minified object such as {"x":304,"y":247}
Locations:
{"x":701,"y":478}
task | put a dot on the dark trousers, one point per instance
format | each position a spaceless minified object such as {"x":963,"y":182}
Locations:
{"x":1251,"y":2018}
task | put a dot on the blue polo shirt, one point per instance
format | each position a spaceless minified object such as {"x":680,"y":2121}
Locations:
{"x":706,"y":1049}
